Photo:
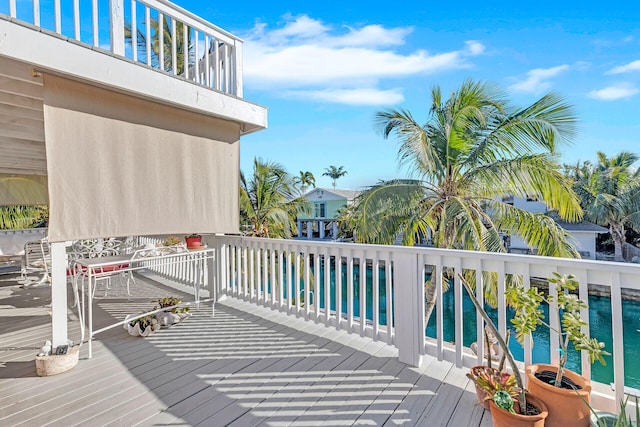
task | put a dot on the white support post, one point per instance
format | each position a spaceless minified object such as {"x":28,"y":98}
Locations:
{"x":237,"y":73}
{"x":76,"y":19}
{"x":617,"y":326}
{"x":94,"y":21}
{"x":299,"y":228}
{"x":160,"y":36}
{"x":134,"y":31}
{"x":36,"y":13}
{"x":458,"y":313}
{"x":57,"y":16}
{"x":406,"y":287}
{"x":117,"y":26}
{"x":309,"y":229}
{"x":321,"y":229}
{"x":58,"y":294}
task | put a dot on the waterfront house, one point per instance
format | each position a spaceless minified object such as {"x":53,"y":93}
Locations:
{"x":320,"y":221}
{"x":583,"y":234}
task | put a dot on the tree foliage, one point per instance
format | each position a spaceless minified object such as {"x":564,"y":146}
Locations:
{"x":335,"y":173}
{"x":305,"y":179}
{"x":16,"y":217}
{"x":185,"y":51}
{"x":269,"y":201}
{"x":473,"y":150}
{"x":610,"y":194}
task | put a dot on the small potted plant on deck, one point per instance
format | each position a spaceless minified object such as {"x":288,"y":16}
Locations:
{"x":194,"y":241}
{"x":525,"y":410}
{"x":142,"y":326}
{"x":173,"y":313}
{"x":565,"y":392}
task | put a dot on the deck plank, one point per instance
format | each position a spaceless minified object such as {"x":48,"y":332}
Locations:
{"x":248,"y":366}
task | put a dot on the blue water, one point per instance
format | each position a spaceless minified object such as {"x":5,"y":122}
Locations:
{"x":599,"y":316}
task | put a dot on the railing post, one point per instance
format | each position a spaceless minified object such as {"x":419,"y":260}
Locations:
{"x":58,"y":294}
{"x":117,"y":26}
{"x":406,"y":308}
{"x":237,"y":71}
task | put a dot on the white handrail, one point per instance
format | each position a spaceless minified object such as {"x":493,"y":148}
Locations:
{"x":218,"y":72}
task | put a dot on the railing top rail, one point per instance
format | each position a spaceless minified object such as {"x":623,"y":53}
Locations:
{"x":566,"y":263}
{"x":191,"y":19}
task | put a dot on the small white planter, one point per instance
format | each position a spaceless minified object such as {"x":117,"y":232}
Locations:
{"x":167,"y":319}
{"x":57,"y":363}
{"x":136,"y":331}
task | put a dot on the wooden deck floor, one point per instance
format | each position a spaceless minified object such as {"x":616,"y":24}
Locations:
{"x":248,"y":366}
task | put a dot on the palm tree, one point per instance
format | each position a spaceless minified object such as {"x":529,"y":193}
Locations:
{"x":610,"y":193}
{"x":305,"y":180}
{"x":473,"y":150}
{"x":15,"y":217}
{"x":334,"y":173}
{"x":269,"y":202}
{"x":185,"y":50}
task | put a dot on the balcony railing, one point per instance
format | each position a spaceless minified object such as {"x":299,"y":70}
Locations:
{"x":155,"y":33}
{"x":379,"y":291}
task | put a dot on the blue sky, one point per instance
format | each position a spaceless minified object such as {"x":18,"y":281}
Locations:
{"x":324,"y":68}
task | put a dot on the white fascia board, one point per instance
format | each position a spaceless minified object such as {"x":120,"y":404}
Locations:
{"x":56,"y":54}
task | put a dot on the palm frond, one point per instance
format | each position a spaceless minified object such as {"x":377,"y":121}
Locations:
{"x":539,"y":231}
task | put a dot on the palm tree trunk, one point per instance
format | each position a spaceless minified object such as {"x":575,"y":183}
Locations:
{"x":617,"y":234}
{"x":429,"y":299}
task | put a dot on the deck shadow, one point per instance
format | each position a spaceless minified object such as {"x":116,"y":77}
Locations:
{"x":17,"y":369}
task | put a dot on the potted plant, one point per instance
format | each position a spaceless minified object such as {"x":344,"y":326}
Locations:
{"x":173,"y":314}
{"x":171,"y":241}
{"x":565,"y":392}
{"x":142,"y":326}
{"x":621,"y":419}
{"x":525,"y":410}
{"x":488,"y":380}
{"x":193,"y":241}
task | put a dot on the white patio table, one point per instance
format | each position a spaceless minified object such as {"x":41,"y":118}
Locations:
{"x":87,"y":270}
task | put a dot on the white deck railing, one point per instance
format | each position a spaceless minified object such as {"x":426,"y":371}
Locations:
{"x":296,"y":277}
{"x":192,"y":271}
{"x":191,"y":48}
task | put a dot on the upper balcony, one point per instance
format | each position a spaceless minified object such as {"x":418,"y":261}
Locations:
{"x":189,"y":63}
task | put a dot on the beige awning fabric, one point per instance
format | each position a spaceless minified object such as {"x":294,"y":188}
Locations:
{"x":122,"y":166}
{"x":23,"y":190}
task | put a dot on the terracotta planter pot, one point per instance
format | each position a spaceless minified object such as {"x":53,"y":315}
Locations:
{"x":481,"y":397}
{"x":482,"y":394}
{"x":504,"y":418}
{"x":566,"y":408}
{"x":193,"y":242}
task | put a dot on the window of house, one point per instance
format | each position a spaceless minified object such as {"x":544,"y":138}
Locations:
{"x":321,"y":210}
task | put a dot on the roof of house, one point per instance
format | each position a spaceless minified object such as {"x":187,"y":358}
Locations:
{"x":581,"y":226}
{"x":347,"y":194}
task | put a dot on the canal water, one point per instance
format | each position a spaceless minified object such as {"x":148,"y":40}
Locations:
{"x":599,"y":316}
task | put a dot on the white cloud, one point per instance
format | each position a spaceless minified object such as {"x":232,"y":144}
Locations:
{"x":363,"y":96}
{"x":346,"y":65}
{"x":612,"y":93}
{"x":537,"y":79}
{"x":474,"y":47}
{"x":627,"y":68}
